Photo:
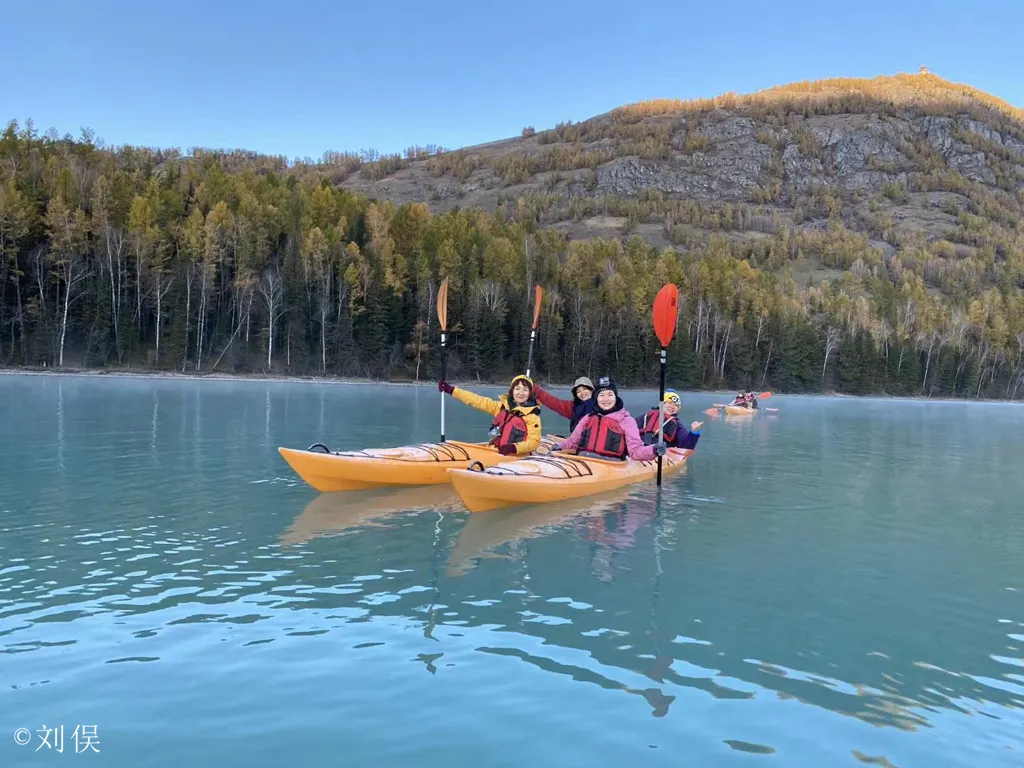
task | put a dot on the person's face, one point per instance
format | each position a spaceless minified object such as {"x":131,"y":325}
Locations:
{"x":520,"y":393}
{"x":671,"y":408}
{"x":606,"y":399}
{"x":584,"y":393}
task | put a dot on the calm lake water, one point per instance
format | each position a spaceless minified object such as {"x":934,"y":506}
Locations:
{"x":838,"y":584}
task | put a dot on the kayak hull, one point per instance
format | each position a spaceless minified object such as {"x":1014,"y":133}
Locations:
{"x":739,"y":410}
{"x":407,"y":465}
{"x":556,"y":477}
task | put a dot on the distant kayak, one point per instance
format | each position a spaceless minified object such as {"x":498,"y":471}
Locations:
{"x":421,"y":464}
{"x":540,"y":479}
{"x":740,"y":410}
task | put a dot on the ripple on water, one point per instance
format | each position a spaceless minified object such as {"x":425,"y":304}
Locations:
{"x":834,"y":602}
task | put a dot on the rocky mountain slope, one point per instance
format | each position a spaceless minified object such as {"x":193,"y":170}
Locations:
{"x":892,"y":157}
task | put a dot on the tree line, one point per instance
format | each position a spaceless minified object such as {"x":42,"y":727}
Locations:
{"x":139,"y":258}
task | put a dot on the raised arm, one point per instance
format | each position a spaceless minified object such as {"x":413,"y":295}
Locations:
{"x":479,"y":402}
{"x":561,"y":407}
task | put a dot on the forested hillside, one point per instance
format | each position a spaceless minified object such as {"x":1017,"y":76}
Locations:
{"x":857,"y":236}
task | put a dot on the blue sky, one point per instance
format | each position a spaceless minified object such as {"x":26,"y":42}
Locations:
{"x":301,"y":77}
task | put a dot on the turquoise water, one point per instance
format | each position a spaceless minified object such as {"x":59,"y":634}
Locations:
{"x":838,"y":584}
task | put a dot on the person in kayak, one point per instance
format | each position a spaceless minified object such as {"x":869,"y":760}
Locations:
{"x":740,"y":399}
{"x":674,"y":435}
{"x":609,"y":432}
{"x":516,"y":426}
{"x":582,"y":403}
{"x":751,"y":400}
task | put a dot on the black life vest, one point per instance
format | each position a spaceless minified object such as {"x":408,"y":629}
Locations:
{"x":603,"y":437}
{"x":649,"y":428}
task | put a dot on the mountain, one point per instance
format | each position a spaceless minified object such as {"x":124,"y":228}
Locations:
{"x":860,"y":236}
{"x":893,"y":157}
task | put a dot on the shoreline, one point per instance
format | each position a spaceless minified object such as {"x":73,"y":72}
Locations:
{"x":105,"y":373}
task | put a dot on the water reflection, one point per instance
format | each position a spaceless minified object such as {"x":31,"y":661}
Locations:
{"x":335,"y":514}
{"x":635,"y":618}
{"x":820,"y":604}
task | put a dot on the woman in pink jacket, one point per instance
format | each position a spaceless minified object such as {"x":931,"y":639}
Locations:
{"x":609,"y":432}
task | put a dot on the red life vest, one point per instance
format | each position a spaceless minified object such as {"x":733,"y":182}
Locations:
{"x":508,"y":427}
{"x":649,"y":432}
{"x":604,"y":437}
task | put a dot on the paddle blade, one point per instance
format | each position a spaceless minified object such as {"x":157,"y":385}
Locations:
{"x":442,"y":305}
{"x":666,"y":304}
{"x":764,"y":395}
{"x":536,"y":306}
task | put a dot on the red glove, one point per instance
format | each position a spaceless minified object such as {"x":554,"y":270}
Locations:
{"x":444,"y":386}
{"x":507,"y":450}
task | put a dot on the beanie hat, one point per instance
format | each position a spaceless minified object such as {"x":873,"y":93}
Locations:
{"x":606,"y":382}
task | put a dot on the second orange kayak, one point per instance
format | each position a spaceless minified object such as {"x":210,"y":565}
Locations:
{"x":539,"y":479}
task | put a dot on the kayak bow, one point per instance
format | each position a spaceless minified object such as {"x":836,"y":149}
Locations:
{"x":540,"y":479}
{"x":407,"y":465}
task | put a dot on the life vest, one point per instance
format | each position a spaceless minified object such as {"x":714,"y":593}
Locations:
{"x":649,"y":429}
{"x":509,"y":427}
{"x":604,"y":437}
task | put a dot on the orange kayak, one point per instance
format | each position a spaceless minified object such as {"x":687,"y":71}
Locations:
{"x":740,"y":410}
{"x":541,"y":479}
{"x":422,"y":464}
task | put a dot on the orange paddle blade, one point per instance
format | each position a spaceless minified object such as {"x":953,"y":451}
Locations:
{"x":764,"y":395}
{"x":536,"y":306}
{"x":666,"y":304}
{"x":442,"y":305}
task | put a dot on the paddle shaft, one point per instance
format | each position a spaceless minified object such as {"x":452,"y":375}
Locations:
{"x":533,"y":328}
{"x":442,"y":318}
{"x":444,"y":377}
{"x":661,"y":411}
{"x":529,"y":356}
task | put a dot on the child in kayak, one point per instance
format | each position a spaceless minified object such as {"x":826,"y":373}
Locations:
{"x":609,"y":432}
{"x":581,"y":405}
{"x":673,"y":433}
{"x":516,"y":426}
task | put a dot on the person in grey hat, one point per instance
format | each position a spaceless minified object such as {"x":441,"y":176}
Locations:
{"x":582,"y":403}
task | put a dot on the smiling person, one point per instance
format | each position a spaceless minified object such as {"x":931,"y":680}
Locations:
{"x":674,"y":435}
{"x":609,"y":432}
{"x":574,"y":410}
{"x":516,"y":426}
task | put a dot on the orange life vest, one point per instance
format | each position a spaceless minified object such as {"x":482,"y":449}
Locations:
{"x":603,"y":437}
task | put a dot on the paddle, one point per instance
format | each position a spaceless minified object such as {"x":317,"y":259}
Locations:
{"x":666,"y":305}
{"x":442,"y":317}
{"x":533,"y":330}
